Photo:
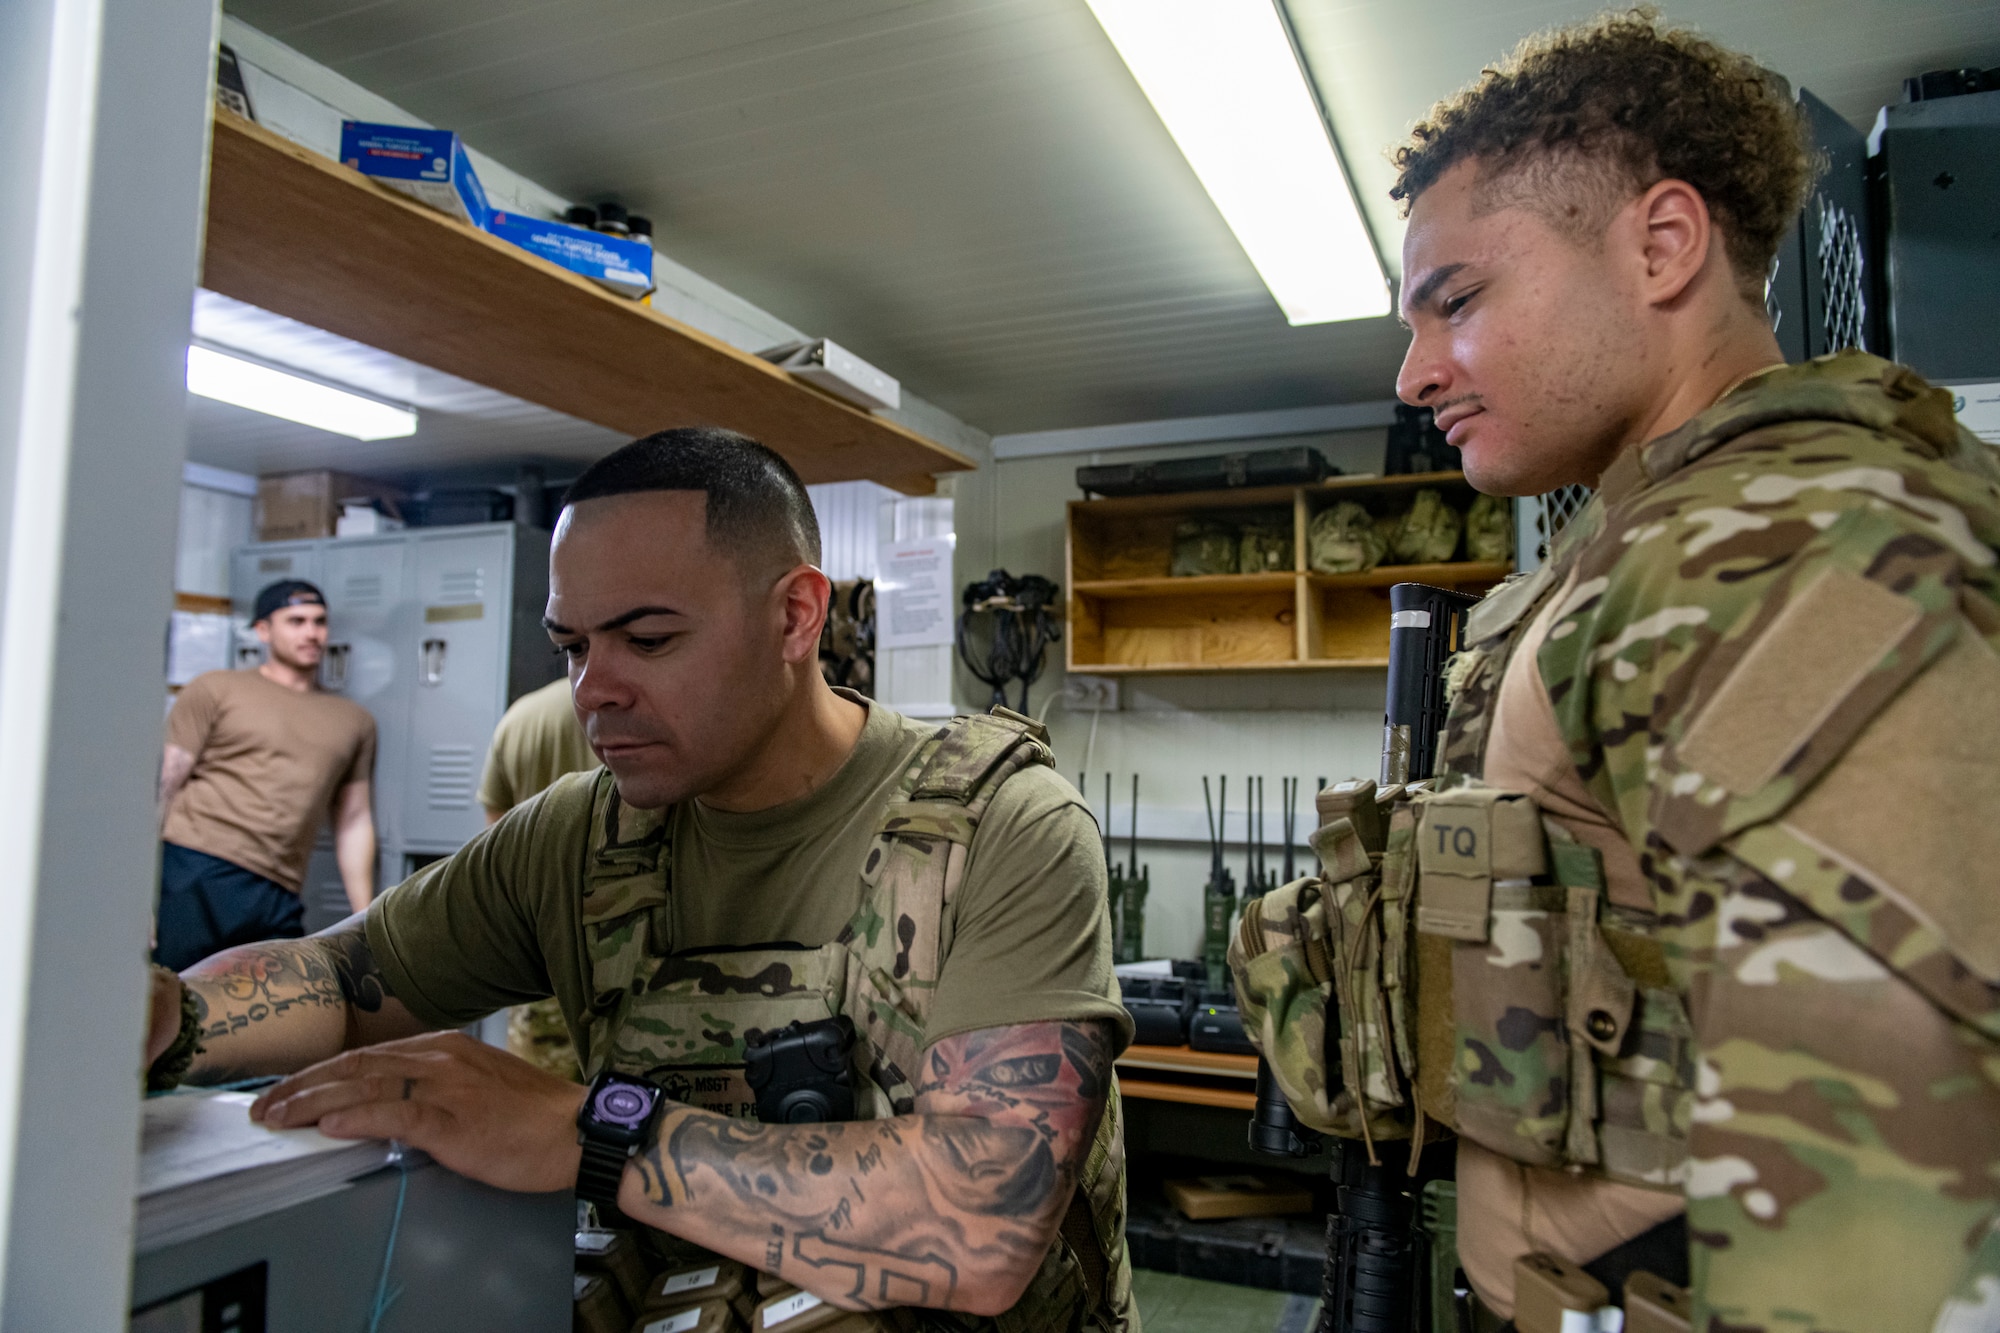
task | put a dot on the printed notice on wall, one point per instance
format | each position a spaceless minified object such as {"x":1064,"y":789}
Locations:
{"x":1978,"y":408}
{"x":914,"y":607}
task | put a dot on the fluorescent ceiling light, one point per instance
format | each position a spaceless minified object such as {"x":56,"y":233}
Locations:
{"x":1224,"y":78}
{"x":279,"y":393}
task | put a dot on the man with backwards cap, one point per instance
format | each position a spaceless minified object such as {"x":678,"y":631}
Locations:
{"x":253,"y":760}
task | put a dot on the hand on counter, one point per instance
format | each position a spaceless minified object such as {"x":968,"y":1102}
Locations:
{"x":482,"y":1112}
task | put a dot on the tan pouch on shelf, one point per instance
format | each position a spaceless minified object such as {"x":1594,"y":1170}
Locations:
{"x":692,"y":1283}
{"x":597,"y":1307}
{"x":616,"y":1255}
{"x":712,"y":1316}
{"x":1655,"y":1305}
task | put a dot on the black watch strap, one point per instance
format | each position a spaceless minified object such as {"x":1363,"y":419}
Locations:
{"x":599,"y":1174}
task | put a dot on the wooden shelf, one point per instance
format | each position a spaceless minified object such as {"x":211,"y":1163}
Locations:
{"x":1187,"y":1060}
{"x":1231,"y":668}
{"x":1148,"y":1090}
{"x":1447,"y":574}
{"x":302,"y":236}
{"x":1188,"y":586}
{"x":1402,"y":481}
{"x":1128,"y":617}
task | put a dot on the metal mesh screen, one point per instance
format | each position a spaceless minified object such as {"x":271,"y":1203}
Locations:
{"x":1555,"y":511}
{"x":1841,"y":275}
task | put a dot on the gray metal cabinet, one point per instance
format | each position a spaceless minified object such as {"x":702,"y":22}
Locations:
{"x":461,"y":683}
{"x":434,"y":631}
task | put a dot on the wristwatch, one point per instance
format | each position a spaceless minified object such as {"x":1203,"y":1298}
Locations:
{"x":615,"y":1122}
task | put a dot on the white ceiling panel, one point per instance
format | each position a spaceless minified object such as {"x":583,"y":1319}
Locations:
{"x":974,"y":194}
{"x":464,"y":430}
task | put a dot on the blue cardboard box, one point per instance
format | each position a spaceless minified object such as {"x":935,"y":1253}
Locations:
{"x":428,"y":165}
{"x":613,"y":262}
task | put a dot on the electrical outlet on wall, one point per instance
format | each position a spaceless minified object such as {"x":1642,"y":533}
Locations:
{"x":1090,"y":694}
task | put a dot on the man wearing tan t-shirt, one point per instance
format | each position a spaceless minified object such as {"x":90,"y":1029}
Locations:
{"x":254,"y":759}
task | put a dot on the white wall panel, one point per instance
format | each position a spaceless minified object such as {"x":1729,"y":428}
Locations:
{"x":213,"y":523}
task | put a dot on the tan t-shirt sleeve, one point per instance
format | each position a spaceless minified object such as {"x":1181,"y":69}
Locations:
{"x":361,"y":768}
{"x":193,"y":715}
{"x":1032,"y":936}
{"x":494,"y":924}
{"x":496,"y":788}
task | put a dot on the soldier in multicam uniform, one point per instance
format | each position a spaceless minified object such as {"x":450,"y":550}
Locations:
{"x":1694,"y":940}
{"x":757,"y":849}
{"x":1756,"y":678}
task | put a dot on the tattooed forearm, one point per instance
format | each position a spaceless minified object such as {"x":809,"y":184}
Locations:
{"x":361,"y":981}
{"x":952,"y":1207}
{"x":275,"y":1007}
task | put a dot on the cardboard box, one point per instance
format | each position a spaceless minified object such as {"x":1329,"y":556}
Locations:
{"x":299,"y":506}
{"x":619,"y":265}
{"x":1238,"y":1196}
{"x":430,"y":166}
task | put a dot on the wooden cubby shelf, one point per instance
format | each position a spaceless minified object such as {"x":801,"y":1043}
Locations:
{"x":300,"y":235}
{"x":1129,"y":616}
{"x":1190,"y":1077}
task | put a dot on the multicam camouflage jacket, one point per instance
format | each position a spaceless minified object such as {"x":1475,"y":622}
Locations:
{"x":1774,"y":665}
{"x":682,"y":1018}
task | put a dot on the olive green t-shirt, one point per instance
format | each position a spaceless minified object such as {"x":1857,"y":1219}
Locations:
{"x":1029,"y":939}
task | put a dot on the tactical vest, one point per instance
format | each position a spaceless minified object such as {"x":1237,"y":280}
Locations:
{"x":682,"y":1018}
{"x":1458,"y":965}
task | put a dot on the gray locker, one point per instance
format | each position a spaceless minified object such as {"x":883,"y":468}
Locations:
{"x":434,"y":631}
{"x":461,"y":683}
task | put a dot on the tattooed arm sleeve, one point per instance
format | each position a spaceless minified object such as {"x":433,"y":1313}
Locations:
{"x":279,"y":1006}
{"x":952,"y":1207}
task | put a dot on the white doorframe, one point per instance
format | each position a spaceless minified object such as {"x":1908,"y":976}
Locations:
{"x":103,"y":145}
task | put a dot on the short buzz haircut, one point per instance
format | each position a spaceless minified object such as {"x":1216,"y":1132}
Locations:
{"x":1579,"y":120}
{"x":758,"y":512}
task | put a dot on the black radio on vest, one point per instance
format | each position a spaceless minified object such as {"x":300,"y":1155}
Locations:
{"x":800,"y":1072}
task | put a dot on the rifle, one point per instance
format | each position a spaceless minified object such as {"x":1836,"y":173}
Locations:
{"x":1372,"y":1250}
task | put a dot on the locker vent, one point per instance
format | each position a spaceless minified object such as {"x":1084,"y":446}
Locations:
{"x":451,"y":777}
{"x":364,"y":591}
{"x":461,"y":585}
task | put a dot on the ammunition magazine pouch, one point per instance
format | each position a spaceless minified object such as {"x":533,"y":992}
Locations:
{"x":1323,"y":970}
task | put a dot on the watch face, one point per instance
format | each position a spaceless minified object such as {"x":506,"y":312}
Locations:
{"x":624,"y":1105}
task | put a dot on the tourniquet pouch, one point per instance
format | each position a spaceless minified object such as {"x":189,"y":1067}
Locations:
{"x":1570,"y":1048}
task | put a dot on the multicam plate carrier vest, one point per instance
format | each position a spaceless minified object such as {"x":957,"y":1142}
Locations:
{"x":1775,"y":667}
{"x":681,"y":1019}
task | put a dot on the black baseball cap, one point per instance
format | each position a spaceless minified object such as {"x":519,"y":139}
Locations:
{"x":283,"y":593}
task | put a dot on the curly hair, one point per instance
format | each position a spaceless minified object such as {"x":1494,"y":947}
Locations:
{"x":1579,"y":119}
